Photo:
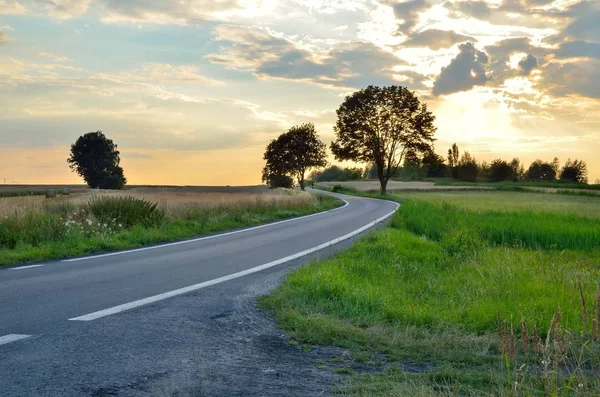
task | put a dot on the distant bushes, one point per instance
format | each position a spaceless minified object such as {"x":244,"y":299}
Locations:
{"x":125,"y":211}
{"x":335,"y":173}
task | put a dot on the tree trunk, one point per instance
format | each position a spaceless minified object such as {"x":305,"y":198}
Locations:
{"x":383,"y":188}
{"x":301,"y":182}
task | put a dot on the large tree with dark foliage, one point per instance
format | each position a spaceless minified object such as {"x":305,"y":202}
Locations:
{"x":540,"y":171}
{"x":574,"y":171}
{"x":293,"y":153}
{"x":378,"y":125}
{"x":434,"y":164}
{"x":96,"y":159}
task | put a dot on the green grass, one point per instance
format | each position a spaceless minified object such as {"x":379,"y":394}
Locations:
{"x":30,"y":237}
{"x":510,"y":201}
{"x":555,"y":185}
{"x":429,"y":288}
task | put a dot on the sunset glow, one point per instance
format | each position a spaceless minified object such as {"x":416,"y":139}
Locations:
{"x":193,"y":90}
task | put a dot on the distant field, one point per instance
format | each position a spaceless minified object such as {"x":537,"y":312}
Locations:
{"x":32,"y":190}
{"x":471,"y":293}
{"x":368,"y":185}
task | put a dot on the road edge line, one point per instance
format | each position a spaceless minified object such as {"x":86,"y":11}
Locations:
{"x":156,"y":298}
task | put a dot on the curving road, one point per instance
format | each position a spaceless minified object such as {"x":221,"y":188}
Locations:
{"x":55,"y":315}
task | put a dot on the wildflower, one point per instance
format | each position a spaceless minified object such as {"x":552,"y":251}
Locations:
{"x":89,"y":222}
{"x":580,"y":385}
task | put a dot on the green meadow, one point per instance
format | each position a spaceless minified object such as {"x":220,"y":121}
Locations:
{"x":465,"y":293}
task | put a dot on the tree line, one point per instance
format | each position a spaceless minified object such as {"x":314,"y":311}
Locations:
{"x":390,"y":130}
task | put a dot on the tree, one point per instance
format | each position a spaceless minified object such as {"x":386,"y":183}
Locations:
{"x":293,"y":153}
{"x":378,"y":125}
{"x":453,"y":160}
{"x":434,"y":164}
{"x":518,"y":171}
{"x":574,"y":171}
{"x":500,"y":170}
{"x":453,"y":156}
{"x":540,"y":171}
{"x":284,"y":181}
{"x":96,"y":159}
{"x":467,"y":168}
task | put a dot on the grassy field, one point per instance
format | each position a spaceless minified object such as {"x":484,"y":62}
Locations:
{"x":550,"y":185}
{"x":471,"y":293}
{"x":34,"y":228}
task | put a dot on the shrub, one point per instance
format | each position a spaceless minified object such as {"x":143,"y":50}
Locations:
{"x":500,"y":170}
{"x":284,"y":181}
{"x":30,"y":228}
{"x":126,"y":211}
{"x":467,"y":168}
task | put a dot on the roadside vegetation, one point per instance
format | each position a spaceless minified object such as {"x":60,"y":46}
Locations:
{"x":35,"y":228}
{"x":465,"y":293}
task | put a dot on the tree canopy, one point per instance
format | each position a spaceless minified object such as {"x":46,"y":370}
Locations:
{"x":378,"y":125}
{"x":96,"y":159}
{"x":574,"y":171}
{"x":540,"y":171}
{"x":293,"y":153}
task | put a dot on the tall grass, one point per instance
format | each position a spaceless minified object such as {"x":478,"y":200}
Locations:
{"x":526,"y":228}
{"x":34,"y":229}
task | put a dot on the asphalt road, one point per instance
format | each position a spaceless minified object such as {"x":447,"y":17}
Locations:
{"x":137,"y":322}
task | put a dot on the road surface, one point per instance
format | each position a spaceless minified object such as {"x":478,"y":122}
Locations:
{"x":135,"y":322}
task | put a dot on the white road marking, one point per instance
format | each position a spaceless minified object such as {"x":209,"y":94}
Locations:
{"x":204,"y":238}
{"x":195,"y":287}
{"x":12,"y":338}
{"x":24,"y":267}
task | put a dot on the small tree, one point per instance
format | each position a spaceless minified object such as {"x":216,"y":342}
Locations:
{"x":574,"y":171}
{"x":96,"y":159}
{"x":540,"y":171}
{"x":500,"y":170}
{"x":293,"y":153}
{"x":378,"y":125}
{"x":434,"y":164}
{"x":518,"y":171}
{"x":467,"y":168}
{"x":453,"y":155}
{"x":284,"y":181}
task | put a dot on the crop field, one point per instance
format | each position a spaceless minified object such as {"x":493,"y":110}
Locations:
{"x":34,"y":228}
{"x":465,"y":293}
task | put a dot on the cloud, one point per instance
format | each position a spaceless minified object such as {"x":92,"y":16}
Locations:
{"x":573,"y":78}
{"x":408,"y":12}
{"x":54,"y":57}
{"x":6,"y":27}
{"x":11,"y":7}
{"x":578,"y":49}
{"x":182,"y":73}
{"x":463,"y":73}
{"x":527,"y":64}
{"x":270,"y":55}
{"x":584,"y":25}
{"x":436,"y":39}
{"x":3,"y":38}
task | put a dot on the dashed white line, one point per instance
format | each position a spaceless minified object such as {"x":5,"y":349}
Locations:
{"x":204,"y":238}
{"x":24,"y":267}
{"x":12,"y":338}
{"x":195,"y":287}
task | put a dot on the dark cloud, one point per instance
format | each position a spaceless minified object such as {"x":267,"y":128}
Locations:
{"x":574,"y":78}
{"x":436,"y":39}
{"x":408,"y":12}
{"x":527,"y":64}
{"x":501,"y":52}
{"x":348,"y":64}
{"x":579,"y":49}
{"x":464,"y":72}
{"x":585,"y":24}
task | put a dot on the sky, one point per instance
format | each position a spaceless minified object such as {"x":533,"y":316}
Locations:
{"x":193,"y":90}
